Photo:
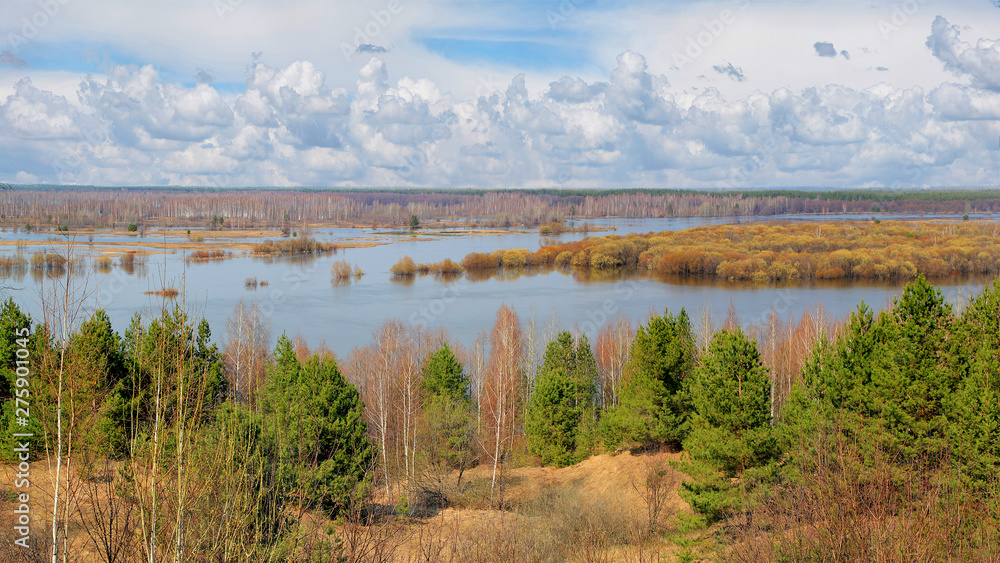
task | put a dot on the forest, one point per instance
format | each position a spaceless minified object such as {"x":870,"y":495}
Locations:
{"x":767,"y":252}
{"x":809,"y":439}
{"x":52,"y":208}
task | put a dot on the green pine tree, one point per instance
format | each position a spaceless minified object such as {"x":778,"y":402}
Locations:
{"x":12,"y":320}
{"x":560,"y":416}
{"x":973,"y":410}
{"x":886,"y":378}
{"x":448,"y":414}
{"x":314,"y":419}
{"x":731,"y":434}
{"x":654,"y":406}
{"x":553,"y":418}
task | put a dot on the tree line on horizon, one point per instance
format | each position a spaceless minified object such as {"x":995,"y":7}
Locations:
{"x":117,"y":208}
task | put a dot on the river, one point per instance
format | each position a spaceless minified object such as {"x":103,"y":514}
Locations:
{"x":299,"y":297}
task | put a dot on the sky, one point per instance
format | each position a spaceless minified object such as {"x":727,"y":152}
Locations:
{"x":500,"y":93}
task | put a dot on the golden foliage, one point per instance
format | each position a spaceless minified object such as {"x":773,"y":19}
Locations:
{"x":764,"y":252}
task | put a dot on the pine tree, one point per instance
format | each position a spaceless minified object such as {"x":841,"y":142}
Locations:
{"x":561,"y":411}
{"x":731,"y":430}
{"x":886,"y":378}
{"x":448,"y":413}
{"x":654,"y":405}
{"x":12,"y":320}
{"x":444,"y":376}
{"x":313,"y":417}
{"x":973,"y":410}
{"x":553,"y":418}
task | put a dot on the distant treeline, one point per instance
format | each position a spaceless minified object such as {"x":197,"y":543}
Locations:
{"x":50,"y":208}
{"x":773,"y":252}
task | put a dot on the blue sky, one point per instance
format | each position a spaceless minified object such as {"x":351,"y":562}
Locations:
{"x":727,"y":93}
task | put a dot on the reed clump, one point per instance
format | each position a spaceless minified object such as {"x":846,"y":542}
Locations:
{"x":103,"y":263}
{"x":446,"y":267}
{"x":12,"y":264}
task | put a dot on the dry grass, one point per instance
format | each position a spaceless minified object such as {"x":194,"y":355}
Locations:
{"x":595,"y":511}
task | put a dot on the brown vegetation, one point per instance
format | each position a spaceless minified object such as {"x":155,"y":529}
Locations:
{"x":859,"y":506}
{"x":404,"y":268}
{"x":775,"y":252}
{"x":294,"y":245}
{"x":206,"y":255}
{"x":342,"y":271}
{"x":446,"y":267}
{"x":167,"y":292}
{"x":103,"y":263}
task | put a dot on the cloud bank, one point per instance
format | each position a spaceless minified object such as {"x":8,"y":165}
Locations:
{"x":291,"y":127}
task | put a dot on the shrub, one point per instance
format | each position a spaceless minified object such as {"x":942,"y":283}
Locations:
{"x":167,"y":292}
{"x":103,"y":263}
{"x":480,"y":261}
{"x":341,"y":270}
{"x":404,"y":268}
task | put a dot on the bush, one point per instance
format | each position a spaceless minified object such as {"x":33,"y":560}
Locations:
{"x":481,"y":261}
{"x":132,"y":227}
{"x":341,"y":270}
{"x":404,"y":268}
